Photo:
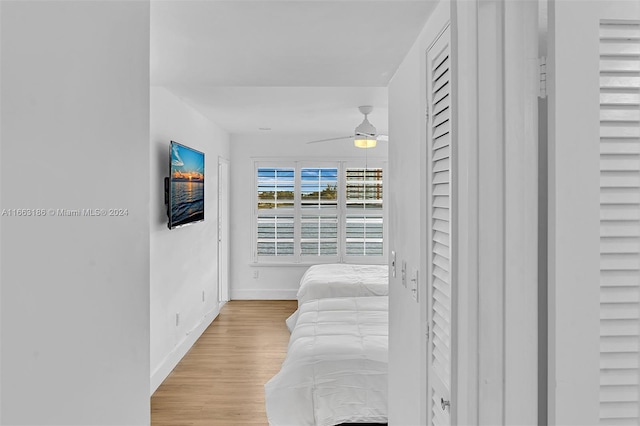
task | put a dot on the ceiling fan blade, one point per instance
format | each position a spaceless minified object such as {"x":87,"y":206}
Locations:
{"x":383,"y":138}
{"x":332,"y":139}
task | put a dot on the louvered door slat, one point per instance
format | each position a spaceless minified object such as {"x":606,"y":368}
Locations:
{"x":619,"y":261}
{"x":441,"y":214}
{"x":613,"y":148}
{"x":441,"y":99}
{"x":611,"y":79}
{"x":622,"y":211}
{"x":440,"y":225}
{"x":441,"y":117}
{"x":441,"y":238}
{"x":620,"y":114}
{"x":613,"y":64}
{"x":608,"y":130}
{"x":441,"y":165}
{"x":619,"y":223}
{"x":621,"y":376}
{"x":616,"y":361}
{"x":439,"y":142}
{"x":441,"y":131}
{"x":620,"y":228}
{"x":441,"y":262}
{"x":442,"y":80}
{"x":441,"y":274}
{"x":442,"y":286}
{"x":613,"y":179}
{"x":618,"y":344}
{"x":619,"y":30}
{"x":441,"y":154}
{"x":621,"y":294}
{"x":619,"y":196}
{"x":619,"y":311}
{"x":618,"y":278}
{"x":442,"y":66}
{"x":619,"y":48}
{"x":618,"y":327}
{"x":620,"y":162}
{"x":440,"y":249}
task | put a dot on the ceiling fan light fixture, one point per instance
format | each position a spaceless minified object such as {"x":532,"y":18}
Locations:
{"x":365,"y":132}
{"x":364,"y":142}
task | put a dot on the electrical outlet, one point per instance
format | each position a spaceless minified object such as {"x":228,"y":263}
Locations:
{"x":177,"y":318}
{"x":256,"y":273}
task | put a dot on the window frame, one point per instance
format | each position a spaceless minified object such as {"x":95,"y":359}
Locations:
{"x":340,"y":211}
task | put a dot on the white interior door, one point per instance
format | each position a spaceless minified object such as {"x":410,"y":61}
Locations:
{"x":223,"y":230}
{"x":619,"y":221}
{"x":594,"y":274}
{"x":440,"y":230}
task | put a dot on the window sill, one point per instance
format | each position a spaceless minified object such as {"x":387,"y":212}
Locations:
{"x":378,"y":261}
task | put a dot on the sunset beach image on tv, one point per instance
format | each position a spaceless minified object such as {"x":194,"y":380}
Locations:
{"x":186,"y":196}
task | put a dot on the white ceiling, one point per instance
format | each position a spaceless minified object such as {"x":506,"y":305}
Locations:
{"x":294,"y":66}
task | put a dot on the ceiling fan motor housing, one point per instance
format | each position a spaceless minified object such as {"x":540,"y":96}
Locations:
{"x":365,"y":128}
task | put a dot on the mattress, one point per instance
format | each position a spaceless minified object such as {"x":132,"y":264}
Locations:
{"x":336,"y":366}
{"x":341,"y":280}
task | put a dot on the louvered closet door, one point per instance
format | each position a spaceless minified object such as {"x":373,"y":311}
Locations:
{"x":619,"y":222}
{"x":439,"y":304}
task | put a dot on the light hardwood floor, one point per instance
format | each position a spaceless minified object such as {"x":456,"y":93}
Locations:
{"x":220,"y":380}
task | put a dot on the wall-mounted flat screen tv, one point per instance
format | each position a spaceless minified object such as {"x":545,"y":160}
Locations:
{"x":185,"y":186}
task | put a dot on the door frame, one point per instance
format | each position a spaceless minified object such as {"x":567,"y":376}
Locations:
{"x":223,"y":230}
{"x":494,"y":52}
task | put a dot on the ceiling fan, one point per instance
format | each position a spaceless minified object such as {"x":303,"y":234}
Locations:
{"x":365,"y":135}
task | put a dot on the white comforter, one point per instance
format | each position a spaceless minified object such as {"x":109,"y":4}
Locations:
{"x":336,"y":365}
{"x":341,"y":280}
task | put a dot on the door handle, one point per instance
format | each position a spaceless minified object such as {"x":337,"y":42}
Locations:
{"x":444,"y":404}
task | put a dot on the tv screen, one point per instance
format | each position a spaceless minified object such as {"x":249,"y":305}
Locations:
{"x":185,"y":186}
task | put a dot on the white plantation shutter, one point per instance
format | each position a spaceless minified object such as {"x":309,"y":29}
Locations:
{"x":364,"y":220}
{"x":275,"y":235}
{"x":619,"y":223}
{"x":319,"y":212}
{"x":439,"y":141}
{"x":275,"y":218}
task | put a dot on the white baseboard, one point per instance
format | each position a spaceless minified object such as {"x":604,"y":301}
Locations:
{"x":175,"y":356}
{"x":264,"y":294}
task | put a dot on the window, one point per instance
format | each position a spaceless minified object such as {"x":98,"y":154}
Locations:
{"x":318,"y":212}
{"x":364,"y":218}
{"x":275,"y":229}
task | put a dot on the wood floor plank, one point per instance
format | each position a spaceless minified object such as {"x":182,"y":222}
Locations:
{"x":220,"y":380}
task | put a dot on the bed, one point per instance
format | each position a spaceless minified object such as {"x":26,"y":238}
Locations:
{"x":341,"y":280}
{"x":336,"y":366}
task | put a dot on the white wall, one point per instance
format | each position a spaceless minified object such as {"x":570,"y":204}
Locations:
{"x":274,"y":281}
{"x":183,"y":260}
{"x":407,"y":356}
{"x":75,"y":290}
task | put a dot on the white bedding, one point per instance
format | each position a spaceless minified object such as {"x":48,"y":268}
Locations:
{"x":341,"y":280}
{"x":336,"y":365}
